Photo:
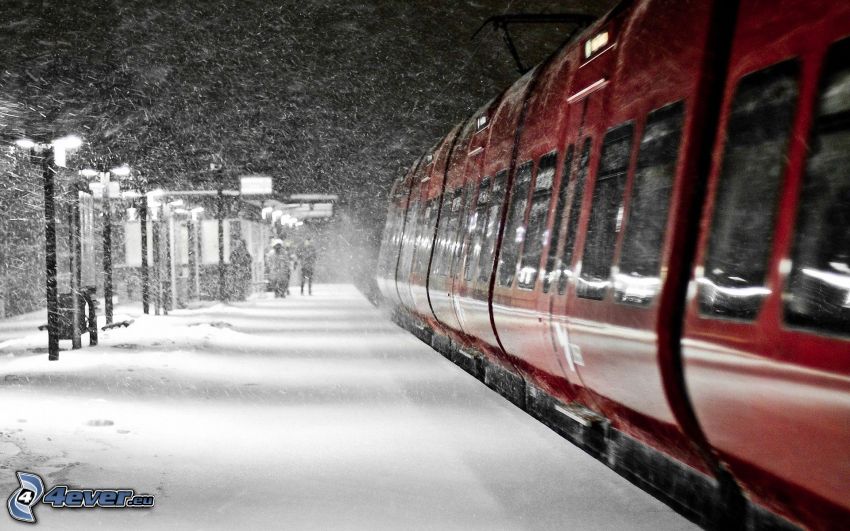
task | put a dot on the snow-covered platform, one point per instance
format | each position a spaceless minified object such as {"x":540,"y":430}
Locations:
{"x":299,"y":413}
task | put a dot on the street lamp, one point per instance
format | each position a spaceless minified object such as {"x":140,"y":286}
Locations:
{"x":52,"y":154}
{"x":105,"y":189}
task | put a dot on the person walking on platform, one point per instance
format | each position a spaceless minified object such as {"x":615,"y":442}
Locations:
{"x":240,"y":271}
{"x":279,"y":269}
{"x":307,"y":258}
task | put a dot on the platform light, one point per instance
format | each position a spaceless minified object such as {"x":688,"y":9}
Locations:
{"x":62,"y":145}
{"x":121,"y":171}
{"x":25,"y":143}
{"x":68,"y":142}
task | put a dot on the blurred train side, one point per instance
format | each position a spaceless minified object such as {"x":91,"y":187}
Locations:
{"x":620,"y":244}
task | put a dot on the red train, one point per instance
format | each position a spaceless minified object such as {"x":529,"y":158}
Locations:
{"x":645,"y":242}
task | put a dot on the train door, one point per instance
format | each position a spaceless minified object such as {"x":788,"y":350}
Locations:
{"x":767,"y":332}
{"x":586,"y":110}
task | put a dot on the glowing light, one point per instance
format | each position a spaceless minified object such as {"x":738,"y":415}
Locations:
{"x":121,"y":171}
{"x":68,"y":142}
{"x":88,"y":172}
{"x":25,"y":143}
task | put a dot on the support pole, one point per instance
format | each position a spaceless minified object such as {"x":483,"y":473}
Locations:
{"x":222,"y":294}
{"x":76,"y":267}
{"x":168,"y":283}
{"x":193,"y":260}
{"x":157,"y":264}
{"x":48,"y":174}
{"x":107,"y":251}
{"x":143,"y":221}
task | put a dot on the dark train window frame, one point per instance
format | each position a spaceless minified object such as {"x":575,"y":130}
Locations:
{"x":602,"y":249}
{"x":670,"y":144}
{"x":482,"y":201}
{"x":498,"y":188}
{"x":515,"y":221}
{"x":552,"y":268}
{"x":572,"y":216}
{"x":539,"y":196}
{"x":449,"y":197}
{"x":714,"y":300}
{"x":817,"y":186}
{"x":469,"y":193}
{"x":425,"y":248}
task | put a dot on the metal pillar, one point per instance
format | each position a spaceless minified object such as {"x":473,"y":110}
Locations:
{"x":192,"y":288}
{"x":76,"y":265}
{"x":157,"y":265}
{"x":168,"y":283}
{"x":222,"y":293}
{"x":143,"y":221}
{"x":107,"y":252}
{"x":48,"y":174}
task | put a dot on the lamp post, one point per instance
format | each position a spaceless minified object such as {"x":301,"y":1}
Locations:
{"x":50,"y":155}
{"x":106,"y":187}
{"x":192,"y":229}
{"x":217,"y":169}
{"x":143,"y":223}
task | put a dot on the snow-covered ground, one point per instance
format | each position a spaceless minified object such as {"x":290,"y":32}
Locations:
{"x":298,"y":413}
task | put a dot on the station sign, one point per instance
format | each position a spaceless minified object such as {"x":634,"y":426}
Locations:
{"x":255,"y":185}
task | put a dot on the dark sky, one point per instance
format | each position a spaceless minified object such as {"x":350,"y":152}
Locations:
{"x":326,"y":96}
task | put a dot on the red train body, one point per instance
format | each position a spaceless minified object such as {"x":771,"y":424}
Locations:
{"x":645,"y":242}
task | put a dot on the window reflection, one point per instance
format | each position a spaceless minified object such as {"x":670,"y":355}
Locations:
{"x":818,"y":291}
{"x":747,"y":193}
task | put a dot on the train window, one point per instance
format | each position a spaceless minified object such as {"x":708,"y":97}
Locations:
{"x":733,"y":282}
{"x":638,"y":277}
{"x":410,"y":228}
{"x":537,"y":234}
{"x":477,"y":228}
{"x":440,"y":241}
{"x":818,"y":290}
{"x":515,"y":229}
{"x":552,"y":268}
{"x":426,"y":237}
{"x":497,"y":197}
{"x":572,"y":217}
{"x":442,"y":258}
{"x":421,"y":228}
{"x":463,"y":226}
{"x":451,"y":231}
{"x":606,"y":213}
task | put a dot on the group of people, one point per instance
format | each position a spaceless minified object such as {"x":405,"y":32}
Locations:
{"x":282,"y":262}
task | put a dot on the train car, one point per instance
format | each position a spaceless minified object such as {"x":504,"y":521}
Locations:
{"x":644,"y":243}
